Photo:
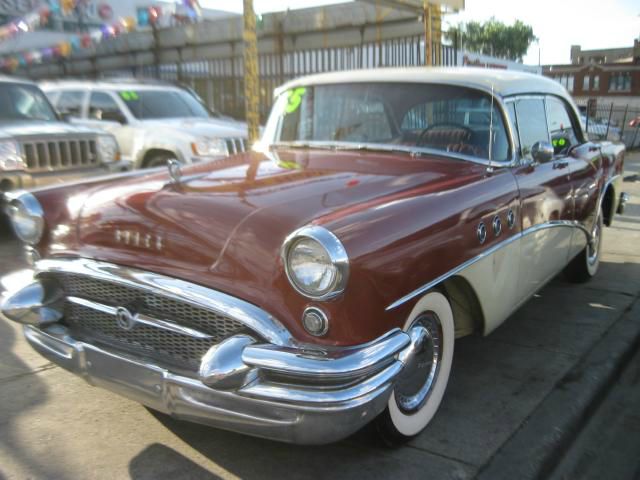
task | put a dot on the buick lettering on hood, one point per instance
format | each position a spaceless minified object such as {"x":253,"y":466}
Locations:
{"x":317,"y":283}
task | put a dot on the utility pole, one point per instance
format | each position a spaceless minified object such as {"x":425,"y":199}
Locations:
{"x":251,"y":88}
{"x":428,"y":40}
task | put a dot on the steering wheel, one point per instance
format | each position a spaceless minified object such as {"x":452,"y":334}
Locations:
{"x":459,"y":126}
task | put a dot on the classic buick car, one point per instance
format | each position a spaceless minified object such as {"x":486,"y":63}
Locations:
{"x":317,"y":283}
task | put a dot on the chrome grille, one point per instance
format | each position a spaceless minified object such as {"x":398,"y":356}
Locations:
{"x":236,"y":145}
{"x":168,"y":347}
{"x":59,"y":154}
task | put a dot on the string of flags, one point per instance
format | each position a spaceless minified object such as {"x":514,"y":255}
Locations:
{"x":32,"y":21}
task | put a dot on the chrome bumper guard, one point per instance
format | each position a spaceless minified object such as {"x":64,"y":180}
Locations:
{"x":297,"y":394}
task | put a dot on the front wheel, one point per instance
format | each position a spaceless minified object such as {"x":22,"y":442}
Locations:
{"x":420,"y":387}
{"x":585,"y":265}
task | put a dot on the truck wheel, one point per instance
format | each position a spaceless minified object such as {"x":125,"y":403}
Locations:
{"x":159,"y":160}
{"x":420,"y":387}
{"x":585,"y":265}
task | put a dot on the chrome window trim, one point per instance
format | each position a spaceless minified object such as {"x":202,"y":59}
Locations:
{"x":334,"y":249}
{"x":252,"y":316}
{"x":543,"y":226}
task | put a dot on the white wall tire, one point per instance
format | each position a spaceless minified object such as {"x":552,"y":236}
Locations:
{"x":396,"y":424}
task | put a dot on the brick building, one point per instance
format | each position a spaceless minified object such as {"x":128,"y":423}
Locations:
{"x":606,"y":75}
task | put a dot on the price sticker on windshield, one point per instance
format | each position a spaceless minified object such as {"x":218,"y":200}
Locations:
{"x":129,"y":96}
{"x":295,"y":99}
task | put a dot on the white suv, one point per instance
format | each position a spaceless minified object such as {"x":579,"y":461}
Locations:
{"x":152,"y":122}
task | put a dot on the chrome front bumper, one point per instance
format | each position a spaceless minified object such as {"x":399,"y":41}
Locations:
{"x":291,"y":393}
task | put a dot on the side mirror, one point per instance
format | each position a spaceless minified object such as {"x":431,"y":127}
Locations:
{"x":113,"y":116}
{"x":542,"y":152}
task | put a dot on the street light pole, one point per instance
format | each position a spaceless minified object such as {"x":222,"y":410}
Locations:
{"x":251,"y":87}
{"x":428,"y":41}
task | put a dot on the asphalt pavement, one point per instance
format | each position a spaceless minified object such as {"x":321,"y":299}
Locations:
{"x":551,"y":393}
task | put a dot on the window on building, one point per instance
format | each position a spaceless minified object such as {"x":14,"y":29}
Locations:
{"x":570,"y":82}
{"x":585,"y":82}
{"x":596,"y":83}
{"x":620,"y":82}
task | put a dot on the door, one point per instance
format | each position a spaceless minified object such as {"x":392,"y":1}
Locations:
{"x":583,"y":160}
{"x":105,"y":113}
{"x":546,"y":207}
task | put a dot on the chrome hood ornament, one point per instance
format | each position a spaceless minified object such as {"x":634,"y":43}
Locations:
{"x":175,"y":171}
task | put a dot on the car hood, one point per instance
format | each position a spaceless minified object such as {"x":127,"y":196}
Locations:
{"x":15,"y":129}
{"x":205,"y":127}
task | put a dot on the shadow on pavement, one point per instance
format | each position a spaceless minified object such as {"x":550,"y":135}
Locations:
{"x":159,"y":462}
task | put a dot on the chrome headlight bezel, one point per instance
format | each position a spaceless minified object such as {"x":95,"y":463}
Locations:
{"x":108,"y":149}
{"x":10,"y":156}
{"x":210,"y":147}
{"x":334,"y":250}
{"x":24,"y":207}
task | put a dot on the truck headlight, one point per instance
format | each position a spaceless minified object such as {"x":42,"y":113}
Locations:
{"x":207,"y":147}
{"x":316,"y":263}
{"x":10,"y":158}
{"x":26,"y":215}
{"x":108,"y":148}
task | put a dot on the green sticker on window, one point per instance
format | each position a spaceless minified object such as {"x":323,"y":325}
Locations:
{"x":295,"y":99}
{"x":129,"y":96}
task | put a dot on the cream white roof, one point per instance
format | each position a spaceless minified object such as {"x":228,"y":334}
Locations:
{"x":503,"y":82}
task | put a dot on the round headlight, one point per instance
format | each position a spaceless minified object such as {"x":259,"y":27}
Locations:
{"x":316,"y":263}
{"x":27,"y":217}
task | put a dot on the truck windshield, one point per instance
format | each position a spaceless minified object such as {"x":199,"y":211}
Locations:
{"x":399,"y":116}
{"x":152,"y":104}
{"x":24,"y":102}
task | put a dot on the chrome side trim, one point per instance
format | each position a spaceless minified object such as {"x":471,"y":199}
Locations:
{"x":337,"y":364}
{"x":142,"y":319}
{"x":253,"y":317}
{"x":543,"y":226}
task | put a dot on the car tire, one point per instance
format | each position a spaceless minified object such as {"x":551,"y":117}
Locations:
{"x":421,"y":385}
{"x":159,"y":160}
{"x":585,"y":265}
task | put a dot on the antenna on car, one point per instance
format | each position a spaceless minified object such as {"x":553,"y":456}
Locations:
{"x":490,"y":167}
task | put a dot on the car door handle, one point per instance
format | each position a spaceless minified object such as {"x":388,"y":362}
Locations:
{"x":560,"y":165}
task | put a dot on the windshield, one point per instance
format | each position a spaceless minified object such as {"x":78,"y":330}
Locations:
{"x":150,"y":104}
{"x":20,"y":102}
{"x":428,"y":116}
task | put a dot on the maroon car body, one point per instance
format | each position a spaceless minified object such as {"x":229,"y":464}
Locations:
{"x":436,"y":219}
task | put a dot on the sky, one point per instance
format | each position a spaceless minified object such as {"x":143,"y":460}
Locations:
{"x":557,"y":23}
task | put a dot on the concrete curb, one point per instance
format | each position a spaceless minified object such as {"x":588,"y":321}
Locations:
{"x":542,"y":440}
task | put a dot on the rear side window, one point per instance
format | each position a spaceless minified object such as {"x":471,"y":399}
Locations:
{"x":101,"y":103}
{"x":563,"y":135}
{"x":532,"y":124}
{"x":70,"y":102}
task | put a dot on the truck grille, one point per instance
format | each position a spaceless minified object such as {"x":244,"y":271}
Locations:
{"x":171,"y":348}
{"x":59,"y":154}
{"x":236,"y":145}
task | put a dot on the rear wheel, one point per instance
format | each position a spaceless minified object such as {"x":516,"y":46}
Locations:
{"x":420,"y":387}
{"x":585,"y":265}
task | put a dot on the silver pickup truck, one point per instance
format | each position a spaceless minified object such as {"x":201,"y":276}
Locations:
{"x":38,"y":148}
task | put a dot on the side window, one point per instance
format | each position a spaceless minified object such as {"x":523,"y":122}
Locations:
{"x":103,"y":107}
{"x":70,"y":102}
{"x":563,"y":136}
{"x":532,"y":124}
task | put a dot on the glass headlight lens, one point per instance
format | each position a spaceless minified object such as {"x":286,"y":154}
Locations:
{"x":210,"y":147}
{"x":108,"y":148}
{"x":26,"y":217}
{"x":311,"y":267}
{"x":316,"y":263}
{"x":10,"y":158}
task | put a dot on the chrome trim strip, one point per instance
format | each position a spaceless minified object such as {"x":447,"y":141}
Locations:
{"x":343,"y":363}
{"x":486,"y":253}
{"x":253,"y":317}
{"x":140,"y":318}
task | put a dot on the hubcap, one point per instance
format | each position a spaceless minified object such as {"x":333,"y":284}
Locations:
{"x":594,"y":246}
{"x":422,"y":364}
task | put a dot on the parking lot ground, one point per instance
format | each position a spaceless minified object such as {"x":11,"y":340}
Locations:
{"x":534,"y":397}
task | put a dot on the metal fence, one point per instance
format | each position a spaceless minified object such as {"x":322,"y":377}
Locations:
{"x":611,"y":122}
{"x":220,"y":82}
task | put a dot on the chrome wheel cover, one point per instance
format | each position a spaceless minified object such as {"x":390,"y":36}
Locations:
{"x":422,"y":364}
